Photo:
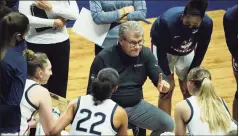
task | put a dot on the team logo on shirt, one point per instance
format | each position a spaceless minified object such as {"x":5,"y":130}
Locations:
{"x":185,"y":46}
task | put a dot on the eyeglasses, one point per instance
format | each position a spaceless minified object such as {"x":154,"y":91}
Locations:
{"x":134,"y":44}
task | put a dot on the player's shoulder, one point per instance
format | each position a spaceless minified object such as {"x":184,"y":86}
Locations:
{"x":207,"y":21}
{"x":181,"y":106}
{"x":120,"y":112}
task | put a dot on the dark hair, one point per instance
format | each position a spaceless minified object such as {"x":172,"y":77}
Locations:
{"x":10,"y":24}
{"x":196,"y":8}
{"x":103,"y":85}
{"x":34,"y":61}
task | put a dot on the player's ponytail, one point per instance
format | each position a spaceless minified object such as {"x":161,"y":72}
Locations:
{"x":104,"y":85}
{"x":210,"y":104}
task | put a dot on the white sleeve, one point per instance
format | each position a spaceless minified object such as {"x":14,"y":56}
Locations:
{"x":69,"y":11}
{"x":35,"y":22}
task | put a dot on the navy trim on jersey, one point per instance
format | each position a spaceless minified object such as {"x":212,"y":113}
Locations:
{"x":225,"y":106}
{"x":192,"y":112}
{"x":112,"y":118}
{"x":28,"y":98}
{"x":78,"y":105}
{"x":31,"y":116}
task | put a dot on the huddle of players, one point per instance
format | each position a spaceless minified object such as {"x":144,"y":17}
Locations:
{"x":97,"y":114}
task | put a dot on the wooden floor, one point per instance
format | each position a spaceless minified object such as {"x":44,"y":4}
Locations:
{"x":217,"y":60}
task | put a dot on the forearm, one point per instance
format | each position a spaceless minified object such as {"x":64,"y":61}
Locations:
{"x":136,"y":16}
{"x":199,"y":55}
{"x":68,"y":13}
{"x":36,"y":22}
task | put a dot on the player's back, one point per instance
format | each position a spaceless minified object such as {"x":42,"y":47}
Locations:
{"x":90,"y":119}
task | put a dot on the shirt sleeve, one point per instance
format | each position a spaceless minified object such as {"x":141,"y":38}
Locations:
{"x":70,"y":10}
{"x":140,"y":11}
{"x":17,"y":80}
{"x":96,"y":66}
{"x":161,"y":38}
{"x":35,"y":22}
{"x":202,"y":45}
{"x":231,"y":33}
{"x":100,"y":16}
{"x":152,"y":68}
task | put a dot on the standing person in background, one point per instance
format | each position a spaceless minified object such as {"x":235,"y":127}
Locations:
{"x":204,"y":113}
{"x":115,"y":13}
{"x":180,"y":38}
{"x":12,"y":4}
{"x":98,"y":105}
{"x":48,"y":34}
{"x":230,"y":23}
{"x":4,"y":10}
{"x":13,"y":70}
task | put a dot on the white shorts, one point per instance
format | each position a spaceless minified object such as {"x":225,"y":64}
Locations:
{"x":180,"y":63}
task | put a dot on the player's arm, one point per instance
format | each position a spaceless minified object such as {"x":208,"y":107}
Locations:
{"x":161,"y":37}
{"x":45,"y":110}
{"x":180,"y":127}
{"x":231,"y":35}
{"x":203,"y":43}
{"x":152,"y":68}
{"x":65,"y":119}
{"x":121,"y":121}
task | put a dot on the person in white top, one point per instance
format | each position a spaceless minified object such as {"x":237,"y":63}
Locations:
{"x":204,"y":113}
{"x":48,"y":34}
{"x":36,"y":97}
{"x":96,"y":113}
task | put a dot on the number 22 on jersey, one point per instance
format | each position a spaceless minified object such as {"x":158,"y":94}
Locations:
{"x":89,"y":115}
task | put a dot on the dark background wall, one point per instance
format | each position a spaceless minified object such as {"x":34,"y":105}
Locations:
{"x":157,"y":7}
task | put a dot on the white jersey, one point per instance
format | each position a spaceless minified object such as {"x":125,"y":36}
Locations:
{"x":27,"y":108}
{"x":93,"y":120}
{"x":196,"y":126}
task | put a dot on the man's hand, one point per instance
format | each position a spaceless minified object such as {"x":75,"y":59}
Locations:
{"x":44,"y":5}
{"x":163,"y":86}
{"x":59,"y":23}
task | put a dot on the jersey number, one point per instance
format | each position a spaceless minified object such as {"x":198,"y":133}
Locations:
{"x":92,"y":131}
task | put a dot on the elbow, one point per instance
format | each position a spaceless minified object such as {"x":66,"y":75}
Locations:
{"x":98,"y":21}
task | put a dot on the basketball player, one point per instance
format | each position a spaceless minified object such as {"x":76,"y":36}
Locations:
{"x":13,"y":70}
{"x":180,"y":38}
{"x":204,"y":113}
{"x":96,"y":114}
{"x":230,"y":23}
{"x":36,"y":97}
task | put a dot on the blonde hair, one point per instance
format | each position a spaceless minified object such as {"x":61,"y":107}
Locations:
{"x":34,"y":61}
{"x":212,"y":109}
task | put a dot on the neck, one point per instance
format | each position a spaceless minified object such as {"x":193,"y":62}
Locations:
{"x":124,"y":57}
{"x":36,"y":80}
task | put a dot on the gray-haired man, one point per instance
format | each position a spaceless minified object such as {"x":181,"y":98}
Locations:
{"x":134,"y":63}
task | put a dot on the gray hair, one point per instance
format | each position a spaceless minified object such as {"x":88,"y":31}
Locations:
{"x":130,"y":26}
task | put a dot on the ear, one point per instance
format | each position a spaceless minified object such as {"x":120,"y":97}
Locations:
{"x":115,"y":88}
{"x":39,"y":73}
{"x":120,"y":41}
{"x":18,"y":36}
